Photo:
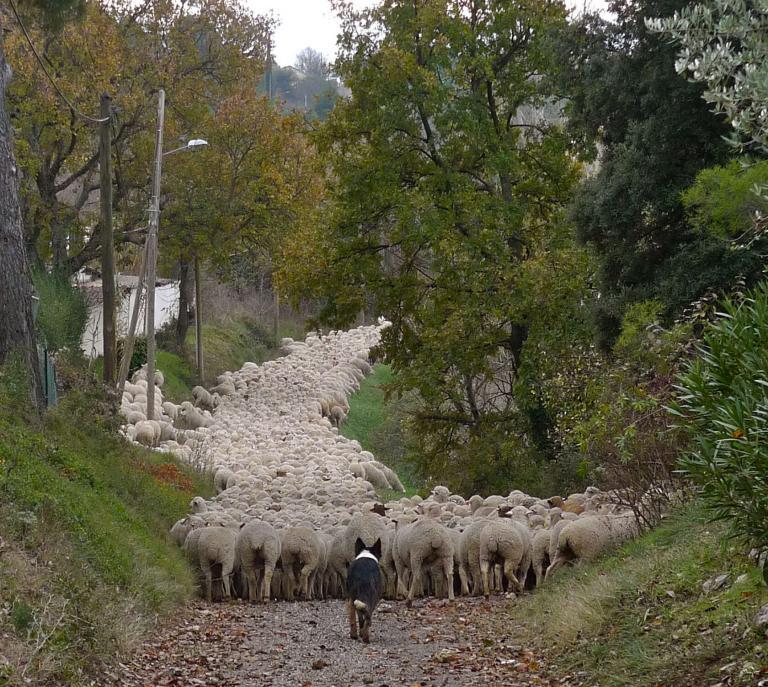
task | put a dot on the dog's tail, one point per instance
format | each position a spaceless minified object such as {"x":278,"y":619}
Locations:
{"x":360,"y":605}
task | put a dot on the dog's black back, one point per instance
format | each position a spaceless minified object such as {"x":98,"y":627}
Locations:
{"x":364,"y":576}
{"x":364,"y":585}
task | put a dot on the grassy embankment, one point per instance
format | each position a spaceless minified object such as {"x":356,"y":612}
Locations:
{"x":371,"y":422}
{"x":640,"y":616}
{"x":86,"y":566}
{"x":226,"y":346}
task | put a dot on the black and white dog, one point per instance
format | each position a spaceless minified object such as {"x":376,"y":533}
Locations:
{"x":364,"y":588}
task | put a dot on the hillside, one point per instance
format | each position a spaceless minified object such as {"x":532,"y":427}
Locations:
{"x":86,"y":567}
{"x":642,"y":616}
{"x":639,"y":616}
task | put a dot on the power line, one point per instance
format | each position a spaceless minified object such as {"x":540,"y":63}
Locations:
{"x":58,"y":90}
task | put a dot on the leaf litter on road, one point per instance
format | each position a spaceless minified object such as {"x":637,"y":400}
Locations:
{"x":435,"y":644}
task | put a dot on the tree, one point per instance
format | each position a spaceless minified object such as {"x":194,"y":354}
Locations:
{"x":313,"y":63}
{"x":654,"y":134}
{"x":449,"y":172}
{"x":235,"y":201}
{"x":724,"y":44}
{"x":198,"y":51}
{"x":17,"y":335}
{"x":311,"y":94}
{"x":730,"y":202}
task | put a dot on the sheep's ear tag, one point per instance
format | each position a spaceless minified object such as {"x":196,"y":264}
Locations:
{"x":359,"y":546}
{"x":376,"y":549}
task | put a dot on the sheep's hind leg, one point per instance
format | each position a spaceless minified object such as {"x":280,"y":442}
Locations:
{"x":208,"y":583}
{"x":415,"y":581}
{"x":509,"y":572}
{"x":464,"y":581}
{"x":448,"y":571}
{"x":498,"y":584}
{"x":484,"y":568}
{"x":401,"y":586}
{"x":304,"y":576}
{"x":226,"y":582}
{"x":252,"y":584}
{"x":290,"y":583}
{"x":267,"y":582}
{"x":352,"y":616}
{"x":559,"y":562}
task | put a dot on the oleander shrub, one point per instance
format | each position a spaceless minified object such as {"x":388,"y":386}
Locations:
{"x":722,"y":404}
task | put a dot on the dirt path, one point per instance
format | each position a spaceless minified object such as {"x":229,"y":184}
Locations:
{"x":307,"y":645}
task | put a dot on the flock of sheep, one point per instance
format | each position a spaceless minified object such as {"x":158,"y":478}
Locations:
{"x":294,"y":494}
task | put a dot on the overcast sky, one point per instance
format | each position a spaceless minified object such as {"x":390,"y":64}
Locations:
{"x":310,"y":23}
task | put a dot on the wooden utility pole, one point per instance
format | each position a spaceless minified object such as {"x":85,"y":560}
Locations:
{"x":107,"y":241}
{"x":268,"y":75}
{"x":154,"y":224}
{"x":276,"y":322}
{"x":199,"y":322}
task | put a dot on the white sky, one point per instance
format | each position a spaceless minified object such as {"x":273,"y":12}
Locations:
{"x":311,"y":23}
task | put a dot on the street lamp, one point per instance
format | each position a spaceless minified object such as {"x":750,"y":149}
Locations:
{"x":192,"y":144}
{"x":154,"y":223}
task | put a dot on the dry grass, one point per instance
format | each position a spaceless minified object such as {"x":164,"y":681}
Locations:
{"x":640,"y":617}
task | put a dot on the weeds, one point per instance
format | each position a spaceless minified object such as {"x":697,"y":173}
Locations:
{"x":86,"y":564}
{"x":642,"y":612}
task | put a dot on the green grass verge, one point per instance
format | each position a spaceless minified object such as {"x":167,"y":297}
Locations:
{"x":226,"y":346}
{"x":367,"y":410}
{"x":371,"y":421}
{"x":640,"y":616}
{"x":178,"y":375}
{"x":86,"y":564}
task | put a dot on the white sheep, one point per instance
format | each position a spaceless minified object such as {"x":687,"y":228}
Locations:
{"x":588,"y":537}
{"x":216,"y":558}
{"x":505,"y":543}
{"x":147,"y":432}
{"x":258,"y":550}
{"x":420,"y":545}
{"x":203,"y":399}
{"x":300,"y":554}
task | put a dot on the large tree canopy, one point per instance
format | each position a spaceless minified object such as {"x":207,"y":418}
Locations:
{"x":724,"y":45}
{"x":450,"y":171}
{"x":200,"y":52}
{"x":655,"y":133}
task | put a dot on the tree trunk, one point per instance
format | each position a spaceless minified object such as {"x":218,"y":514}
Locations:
{"x":186,"y":286}
{"x":17,"y":332}
{"x":59,"y":238}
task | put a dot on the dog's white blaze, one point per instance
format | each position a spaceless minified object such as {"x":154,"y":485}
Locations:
{"x":366,"y":554}
{"x":360,"y":605}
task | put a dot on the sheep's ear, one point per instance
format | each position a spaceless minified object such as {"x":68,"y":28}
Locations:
{"x":359,"y":546}
{"x":376,"y":549}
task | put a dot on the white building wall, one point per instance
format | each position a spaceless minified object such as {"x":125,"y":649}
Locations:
{"x":166,"y":309}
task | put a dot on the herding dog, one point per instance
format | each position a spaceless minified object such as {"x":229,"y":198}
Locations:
{"x":364,"y":588}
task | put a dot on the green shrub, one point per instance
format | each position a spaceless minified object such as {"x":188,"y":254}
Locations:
{"x":139,"y":356}
{"x":63,"y":312}
{"x":724,"y":201}
{"x":722,"y":403}
{"x":22,"y":617}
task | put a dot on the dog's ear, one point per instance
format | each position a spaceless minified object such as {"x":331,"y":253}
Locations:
{"x":359,"y":546}
{"x":376,"y":549}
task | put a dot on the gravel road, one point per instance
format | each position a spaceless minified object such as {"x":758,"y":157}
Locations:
{"x":306,"y":644}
